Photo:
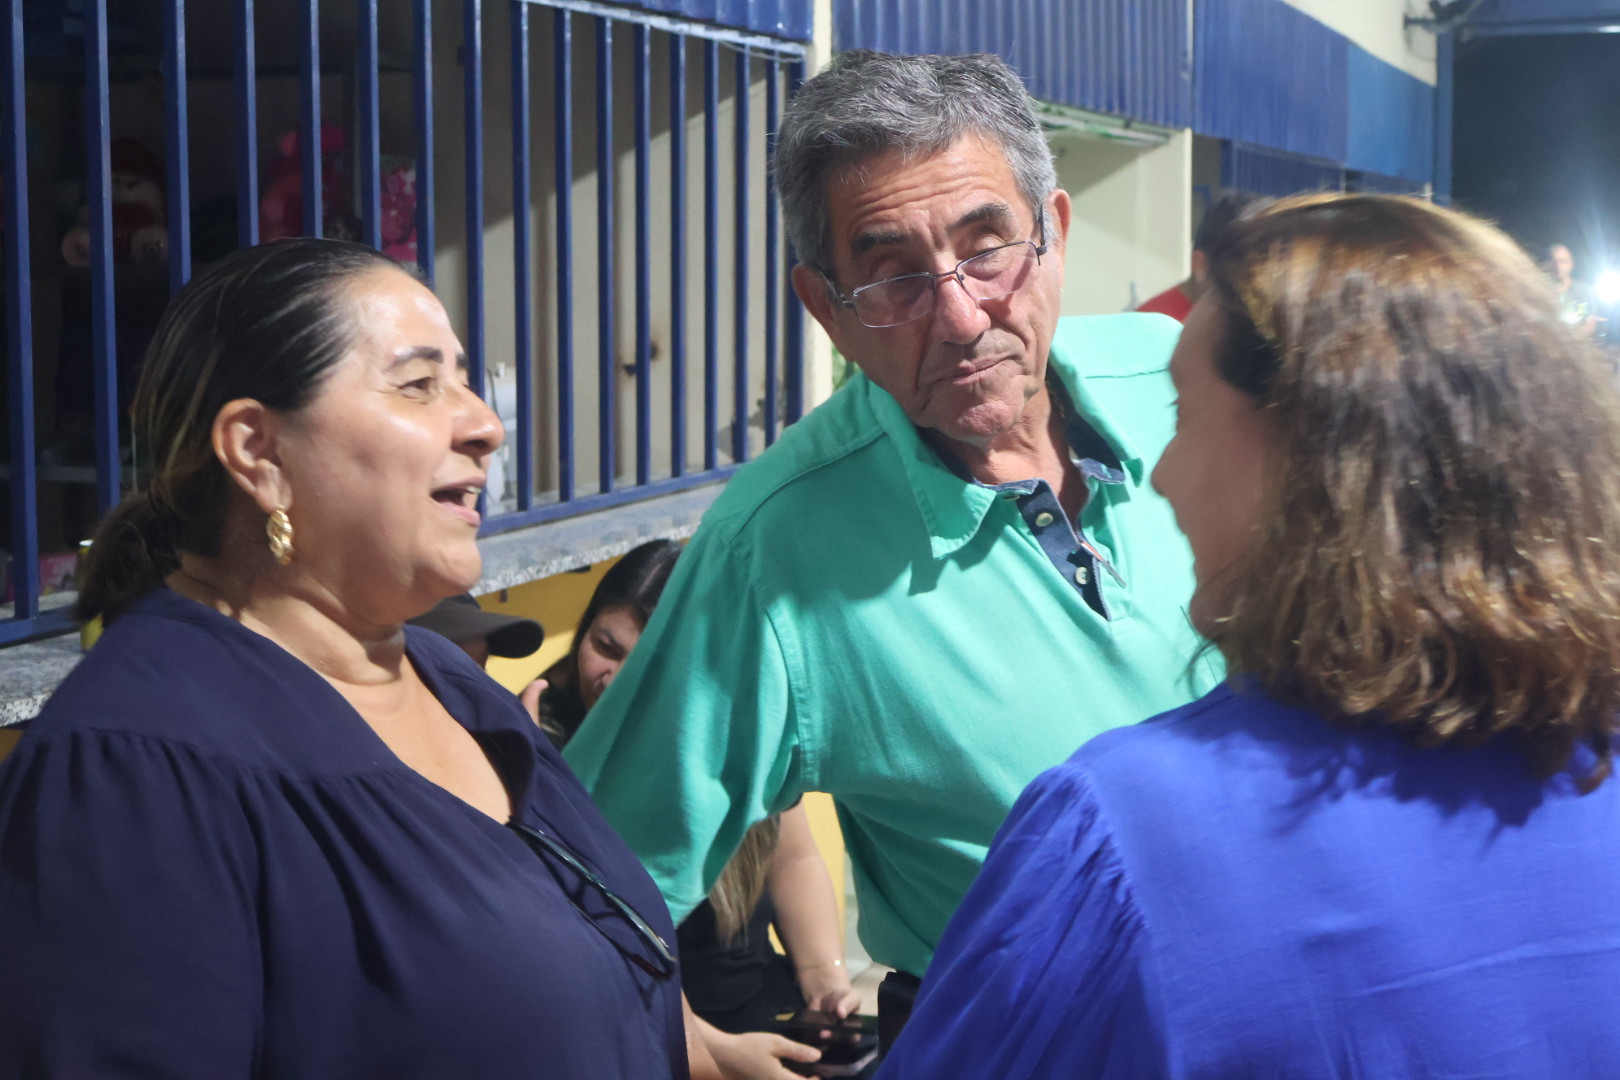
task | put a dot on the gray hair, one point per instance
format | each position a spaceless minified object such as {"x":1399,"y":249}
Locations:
{"x":866,"y":103}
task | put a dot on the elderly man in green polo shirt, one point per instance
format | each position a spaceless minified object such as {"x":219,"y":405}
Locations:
{"x":949,"y":575}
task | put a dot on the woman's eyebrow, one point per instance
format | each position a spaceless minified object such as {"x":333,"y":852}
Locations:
{"x":418,"y":352}
{"x":425,"y":352}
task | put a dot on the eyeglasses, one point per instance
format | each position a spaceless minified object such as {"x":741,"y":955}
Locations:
{"x":989,"y":275}
{"x":661,"y":963}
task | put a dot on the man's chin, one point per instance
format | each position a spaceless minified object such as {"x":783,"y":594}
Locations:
{"x":979,"y":423}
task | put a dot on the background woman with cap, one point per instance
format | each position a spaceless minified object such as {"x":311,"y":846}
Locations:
{"x":482,"y":634}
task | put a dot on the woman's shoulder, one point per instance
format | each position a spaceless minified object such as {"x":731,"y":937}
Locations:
{"x":171,"y":670}
{"x":1236,"y":744}
{"x":1233,"y":711}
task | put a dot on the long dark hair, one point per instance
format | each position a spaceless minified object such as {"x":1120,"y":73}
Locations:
{"x":634,"y":583}
{"x":266,"y":323}
{"x":1441,"y":547}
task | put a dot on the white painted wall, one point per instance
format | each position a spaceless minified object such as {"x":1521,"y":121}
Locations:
{"x":1376,"y":25}
{"x":1132,"y":220}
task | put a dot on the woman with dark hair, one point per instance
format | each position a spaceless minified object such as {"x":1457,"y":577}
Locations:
{"x":1387,"y":847}
{"x":265,"y":829}
{"x":735,"y":981}
{"x":619,"y":609}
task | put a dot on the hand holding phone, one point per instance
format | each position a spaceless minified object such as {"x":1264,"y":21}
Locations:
{"x":847,"y":1044}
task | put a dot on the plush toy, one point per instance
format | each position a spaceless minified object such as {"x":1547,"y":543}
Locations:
{"x":398,"y":206}
{"x":139,"y":225}
{"x":281,"y":197}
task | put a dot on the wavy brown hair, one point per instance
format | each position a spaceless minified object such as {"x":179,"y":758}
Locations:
{"x":1440,"y":548}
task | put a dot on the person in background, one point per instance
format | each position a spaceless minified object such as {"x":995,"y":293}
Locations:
{"x":482,"y":634}
{"x":952,"y":572}
{"x":265,"y":829}
{"x":1574,"y":300}
{"x":610,"y":627}
{"x":1386,"y":848}
{"x":1178,"y":299}
{"x":736,"y":982}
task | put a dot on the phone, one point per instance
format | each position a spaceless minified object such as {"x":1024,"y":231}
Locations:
{"x":847,"y":1045}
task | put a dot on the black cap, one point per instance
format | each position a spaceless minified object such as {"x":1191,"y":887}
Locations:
{"x":461,"y":619}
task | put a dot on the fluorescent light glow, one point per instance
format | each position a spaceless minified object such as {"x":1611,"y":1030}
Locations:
{"x":1607,"y":288}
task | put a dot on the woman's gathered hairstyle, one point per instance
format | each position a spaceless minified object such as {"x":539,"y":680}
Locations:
{"x":266,"y":323}
{"x":1440,"y":546}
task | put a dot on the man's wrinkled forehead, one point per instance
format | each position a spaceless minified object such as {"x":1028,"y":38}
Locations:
{"x":856,"y":174}
{"x":997,"y":215}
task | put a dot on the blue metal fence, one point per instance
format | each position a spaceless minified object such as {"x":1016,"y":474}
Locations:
{"x":665,"y":283}
{"x":1128,"y":58}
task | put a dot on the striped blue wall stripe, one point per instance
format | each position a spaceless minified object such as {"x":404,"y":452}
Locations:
{"x":1127,"y":58}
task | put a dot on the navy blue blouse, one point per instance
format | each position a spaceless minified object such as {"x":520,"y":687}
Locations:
{"x":212,"y":867}
{"x":1242,"y":889}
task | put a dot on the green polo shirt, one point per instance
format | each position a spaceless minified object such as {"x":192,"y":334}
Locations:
{"x":854,"y":618}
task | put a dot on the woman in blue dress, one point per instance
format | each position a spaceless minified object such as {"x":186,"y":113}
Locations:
{"x":265,"y":829}
{"x":1388,"y":846}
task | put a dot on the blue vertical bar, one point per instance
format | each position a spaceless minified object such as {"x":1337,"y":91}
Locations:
{"x":247,"y":129}
{"x":773,"y":109}
{"x":642,"y":76}
{"x":425,"y":238}
{"x":472,"y":51}
{"x":677,"y":256}
{"x":711,"y":254}
{"x":370,"y":152}
{"x":309,"y":117}
{"x":522,"y":288}
{"x":739,"y":411}
{"x":606,"y":384}
{"x":19,"y":328}
{"x":793,"y":329}
{"x":103,"y":345}
{"x":1445,"y":89}
{"x":179,"y":163}
{"x":563,"y":104}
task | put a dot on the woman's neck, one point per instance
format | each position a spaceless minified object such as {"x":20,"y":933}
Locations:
{"x":300,"y":616}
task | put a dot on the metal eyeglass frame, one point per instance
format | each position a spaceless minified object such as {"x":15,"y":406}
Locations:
{"x":848,"y":301}
{"x":665,"y":966}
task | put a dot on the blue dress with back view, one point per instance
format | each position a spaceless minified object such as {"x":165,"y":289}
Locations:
{"x":212,"y":868}
{"x":1241,"y":889}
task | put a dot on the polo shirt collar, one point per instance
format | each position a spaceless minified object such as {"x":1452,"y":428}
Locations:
{"x":954,"y":509}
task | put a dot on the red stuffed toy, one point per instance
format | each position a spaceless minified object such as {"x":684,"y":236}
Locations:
{"x":281,"y":201}
{"x":139,"y":224}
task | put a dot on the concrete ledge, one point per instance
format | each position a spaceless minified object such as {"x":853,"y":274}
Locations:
{"x":30,"y":673}
{"x":526,"y":555}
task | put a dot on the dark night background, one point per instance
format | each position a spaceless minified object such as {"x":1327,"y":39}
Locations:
{"x":1537,"y":141}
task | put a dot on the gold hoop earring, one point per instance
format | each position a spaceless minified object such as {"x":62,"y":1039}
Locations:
{"x":278,"y":527}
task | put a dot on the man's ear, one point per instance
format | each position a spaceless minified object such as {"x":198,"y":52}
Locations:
{"x":817,"y":296}
{"x":1059,"y":214}
{"x":245,"y":438}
